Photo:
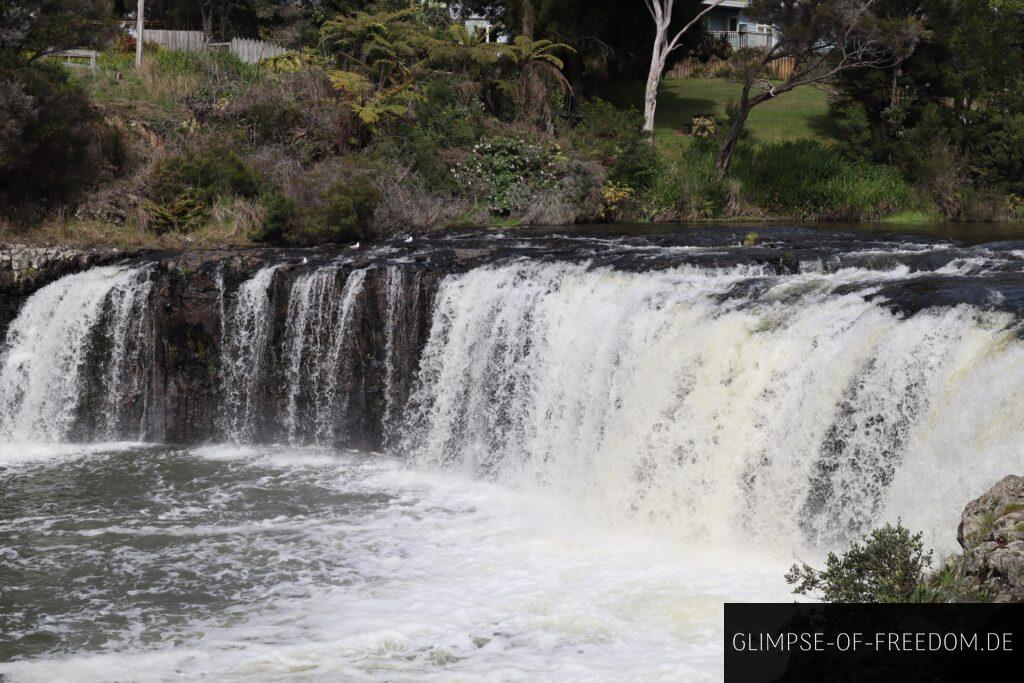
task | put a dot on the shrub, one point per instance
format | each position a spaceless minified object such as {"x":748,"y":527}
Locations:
{"x":184,"y":188}
{"x":348,"y":212}
{"x":210,"y":173}
{"x":407,"y":203}
{"x":295,"y":109}
{"x":614,"y":137}
{"x":887,"y":566}
{"x":450,"y":113}
{"x":275,"y":228}
{"x":688,"y":186}
{"x":331,"y":201}
{"x":54,"y":145}
{"x":809,"y":179}
{"x":507,"y":173}
{"x":215,"y":62}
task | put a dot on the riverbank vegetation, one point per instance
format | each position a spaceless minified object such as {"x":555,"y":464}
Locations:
{"x":889,"y":565}
{"x":389,"y":117}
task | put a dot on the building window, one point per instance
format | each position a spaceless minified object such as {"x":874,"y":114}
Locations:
{"x":734,"y":24}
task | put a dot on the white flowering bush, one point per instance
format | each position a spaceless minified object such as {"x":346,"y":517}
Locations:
{"x":507,"y":173}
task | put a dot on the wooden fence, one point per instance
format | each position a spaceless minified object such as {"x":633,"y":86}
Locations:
{"x":70,"y":57}
{"x":781,"y":68}
{"x":252,"y":51}
{"x":179,"y":41}
{"x":247,"y":50}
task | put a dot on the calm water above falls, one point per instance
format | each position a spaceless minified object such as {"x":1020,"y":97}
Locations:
{"x":592,"y":443}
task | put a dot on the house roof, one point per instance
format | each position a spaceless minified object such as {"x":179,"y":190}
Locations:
{"x":735,"y":4}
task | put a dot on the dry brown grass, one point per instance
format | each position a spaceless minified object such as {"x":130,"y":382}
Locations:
{"x":228,"y":226}
{"x":406,"y":205}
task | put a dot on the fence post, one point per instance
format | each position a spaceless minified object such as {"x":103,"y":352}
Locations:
{"x":140,"y":33}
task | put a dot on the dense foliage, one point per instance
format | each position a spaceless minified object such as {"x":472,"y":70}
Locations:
{"x":389,"y":116}
{"x":952,"y":111}
{"x":889,"y":565}
{"x":54,"y":145}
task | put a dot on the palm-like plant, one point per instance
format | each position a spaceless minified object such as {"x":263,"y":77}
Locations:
{"x":533,"y":58}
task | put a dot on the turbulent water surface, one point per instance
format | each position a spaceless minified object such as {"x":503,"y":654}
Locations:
{"x":588,"y":445}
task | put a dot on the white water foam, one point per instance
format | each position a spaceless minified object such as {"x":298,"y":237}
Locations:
{"x":659,"y":399}
{"x":453,"y":579}
{"x":47,"y":349}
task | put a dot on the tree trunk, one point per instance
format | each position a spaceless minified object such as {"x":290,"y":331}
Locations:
{"x":729,"y":148}
{"x":534,"y":92}
{"x":528,"y":19}
{"x":654,"y":80}
{"x":207,"y":13}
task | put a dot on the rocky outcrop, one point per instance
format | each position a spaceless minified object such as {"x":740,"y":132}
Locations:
{"x":992,"y":535}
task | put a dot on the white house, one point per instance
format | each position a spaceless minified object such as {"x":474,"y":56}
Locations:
{"x":482,"y":25}
{"x":731,"y":21}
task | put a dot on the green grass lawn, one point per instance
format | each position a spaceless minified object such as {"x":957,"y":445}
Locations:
{"x":797,"y":115}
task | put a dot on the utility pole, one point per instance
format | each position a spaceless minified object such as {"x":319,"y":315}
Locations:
{"x":140,"y":32}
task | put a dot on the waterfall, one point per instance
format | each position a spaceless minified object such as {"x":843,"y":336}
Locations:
{"x":125,"y":375}
{"x":790,"y":407}
{"x":785,"y":414}
{"x":319,"y":332}
{"x":77,"y":336}
{"x":245,"y":346}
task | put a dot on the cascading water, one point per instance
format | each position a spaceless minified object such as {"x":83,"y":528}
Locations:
{"x":403,"y":306}
{"x":244,"y":352}
{"x":780,"y":417}
{"x":44,"y":370}
{"x":318,"y":334}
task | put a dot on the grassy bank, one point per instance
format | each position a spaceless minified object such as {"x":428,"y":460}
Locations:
{"x":801,"y":115}
{"x":223,"y":153}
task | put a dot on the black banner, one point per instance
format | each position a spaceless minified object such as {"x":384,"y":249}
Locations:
{"x":834,"y":642}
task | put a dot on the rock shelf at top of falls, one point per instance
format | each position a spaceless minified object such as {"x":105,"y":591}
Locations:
{"x":816,"y":377}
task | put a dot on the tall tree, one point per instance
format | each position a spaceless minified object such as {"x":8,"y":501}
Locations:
{"x":951,"y":112}
{"x":825,"y":39}
{"x":53,"y":142}
{"x":661,"y":12}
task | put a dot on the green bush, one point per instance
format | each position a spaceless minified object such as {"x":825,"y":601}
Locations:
{"x":508,"y":173}
{"x":276,"y":227}
{"x":183,"y":188}
{"x":614,"y":137}
{"x":212,"y":172}
{"x":688,"y":186}
{"x":343,"y":212}
{"x":184,"y":62}
{"x":54,"y":144}
{"x":887,"y":566}
{"x":347,"y":214}
{"x":449,"y":113}
{"x":808,"y":179}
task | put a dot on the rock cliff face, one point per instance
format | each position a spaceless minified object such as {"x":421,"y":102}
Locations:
{"x":992,"y":536}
